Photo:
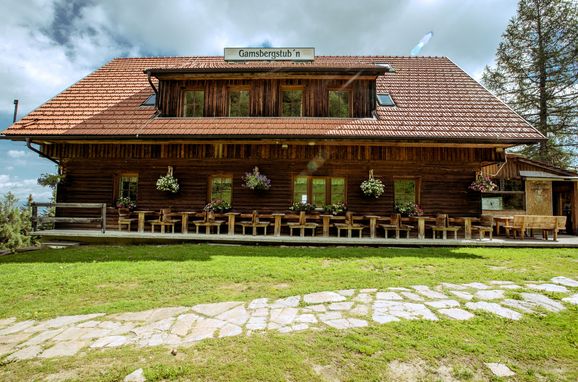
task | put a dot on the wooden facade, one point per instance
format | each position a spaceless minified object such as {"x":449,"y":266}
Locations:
{"x":443,"y":173}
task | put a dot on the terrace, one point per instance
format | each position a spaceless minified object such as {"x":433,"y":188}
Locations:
{"x":278,"y":228}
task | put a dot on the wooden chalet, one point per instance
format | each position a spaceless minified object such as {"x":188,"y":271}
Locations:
{"x":314,"y":127}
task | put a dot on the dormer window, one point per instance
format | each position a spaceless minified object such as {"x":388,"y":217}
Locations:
{"x":239,"y":102}
{"x":339,"y":104}
{"x":384,"y":99}
{"x":194,"y":102}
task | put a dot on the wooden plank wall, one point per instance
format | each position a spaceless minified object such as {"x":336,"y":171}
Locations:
{"x":265,"y":94}
{"x":444,"y":173}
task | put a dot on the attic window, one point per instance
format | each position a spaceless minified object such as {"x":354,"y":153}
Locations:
{"x":150,"y":101}
{"x":384,"y":99}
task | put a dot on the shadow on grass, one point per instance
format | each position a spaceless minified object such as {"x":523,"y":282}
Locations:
{"x":200,"y":252}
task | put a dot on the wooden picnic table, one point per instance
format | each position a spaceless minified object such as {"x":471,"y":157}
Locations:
{"x":467,"y":221}
{"x":502,"y":221}
{"x":141,"y":218}
{"x":184,"y":215}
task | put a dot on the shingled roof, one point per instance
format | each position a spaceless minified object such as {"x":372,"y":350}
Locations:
{"x":435,"y":101}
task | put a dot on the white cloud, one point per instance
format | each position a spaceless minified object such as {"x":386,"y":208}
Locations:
{"x":47,"y":45}
{"x":16,"y":153}
{"x":21,"y":188}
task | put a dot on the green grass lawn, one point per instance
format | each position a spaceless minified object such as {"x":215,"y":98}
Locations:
{"x":45,"y":284}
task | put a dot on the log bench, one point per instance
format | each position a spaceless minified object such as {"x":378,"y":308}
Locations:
{"x":522,"y":223}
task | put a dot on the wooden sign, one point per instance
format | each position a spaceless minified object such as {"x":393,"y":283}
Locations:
{"x":269,"y":54}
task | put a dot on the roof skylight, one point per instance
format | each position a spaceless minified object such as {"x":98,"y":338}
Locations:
{"x":151,"y":101}
{"x":384,"y":99}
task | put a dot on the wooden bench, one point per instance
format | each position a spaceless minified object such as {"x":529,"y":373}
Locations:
{"x":124,"y":219}
{"x":163,"y":221}
{"x":486,"y":226}
{"x":208,"y":222}
{"x":302,"y":225}
{"x":522,"y":223}
{"x":254,"y":224}
{"x":395,"y":225}
{"x":349,"y":226}
{"x":442,"y":225}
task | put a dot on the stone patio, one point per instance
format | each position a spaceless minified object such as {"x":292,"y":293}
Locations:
{"x":341,"y":309}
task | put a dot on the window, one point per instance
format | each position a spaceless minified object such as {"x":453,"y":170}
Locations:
{"x":339,"y":104}
{"x":318,"y":190}
{"x":405,"y":191}
{"x":128,"y":186}
{"x":221,"y":187}
{"x":194,"y":103}
{"x":385,"y":99}
{"x":292,"y":103}
{"x":510,"y":195}
{"x":238,"y":103}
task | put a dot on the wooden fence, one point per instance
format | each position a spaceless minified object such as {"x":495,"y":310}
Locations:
{"x":39,"y":220}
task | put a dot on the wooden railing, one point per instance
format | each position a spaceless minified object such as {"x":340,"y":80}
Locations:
{"x":39,"y":220}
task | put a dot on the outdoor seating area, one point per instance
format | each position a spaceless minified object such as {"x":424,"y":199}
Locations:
{"x":317,"y":224}
{"x":349,"y":225}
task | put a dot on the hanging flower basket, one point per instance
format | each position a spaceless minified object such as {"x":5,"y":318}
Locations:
{"x":256,"y":181}
{"x":482,"y":183}
{"x":372,"y":187}
{"x":168,"y":182}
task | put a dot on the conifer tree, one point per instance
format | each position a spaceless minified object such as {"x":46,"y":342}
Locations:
{"x":536,"y":74}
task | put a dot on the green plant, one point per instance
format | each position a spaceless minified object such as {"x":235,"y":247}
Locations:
{"x":408,"y":209}
{"x":338,"y":208}
{"x":217,"y":205}
{"x":302,"y":206}
{"x":125,"y":202}
{"x":15,"y":223}
{"x":372,"y":187}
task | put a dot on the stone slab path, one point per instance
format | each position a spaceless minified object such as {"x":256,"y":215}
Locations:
{"x":342,"y":309}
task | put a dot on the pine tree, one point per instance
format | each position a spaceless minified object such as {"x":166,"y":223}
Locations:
{"x":536,"y":73}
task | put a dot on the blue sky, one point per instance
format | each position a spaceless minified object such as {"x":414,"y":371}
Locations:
{"x":48,"y":45}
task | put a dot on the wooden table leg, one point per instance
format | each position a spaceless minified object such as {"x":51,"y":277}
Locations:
{"x":372,"y":225}
{"x":141,"y":222}
{"x":231,"y":227}
{"x":421,"y":228}
{"x":277,"y":227}
{"x":185,"y":223}
{"x":326,"y":220}
{"x":467,"y":228}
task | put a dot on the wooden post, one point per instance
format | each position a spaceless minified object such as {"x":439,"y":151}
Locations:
{"x":103,"y":217}
{"x":34,"y":217}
